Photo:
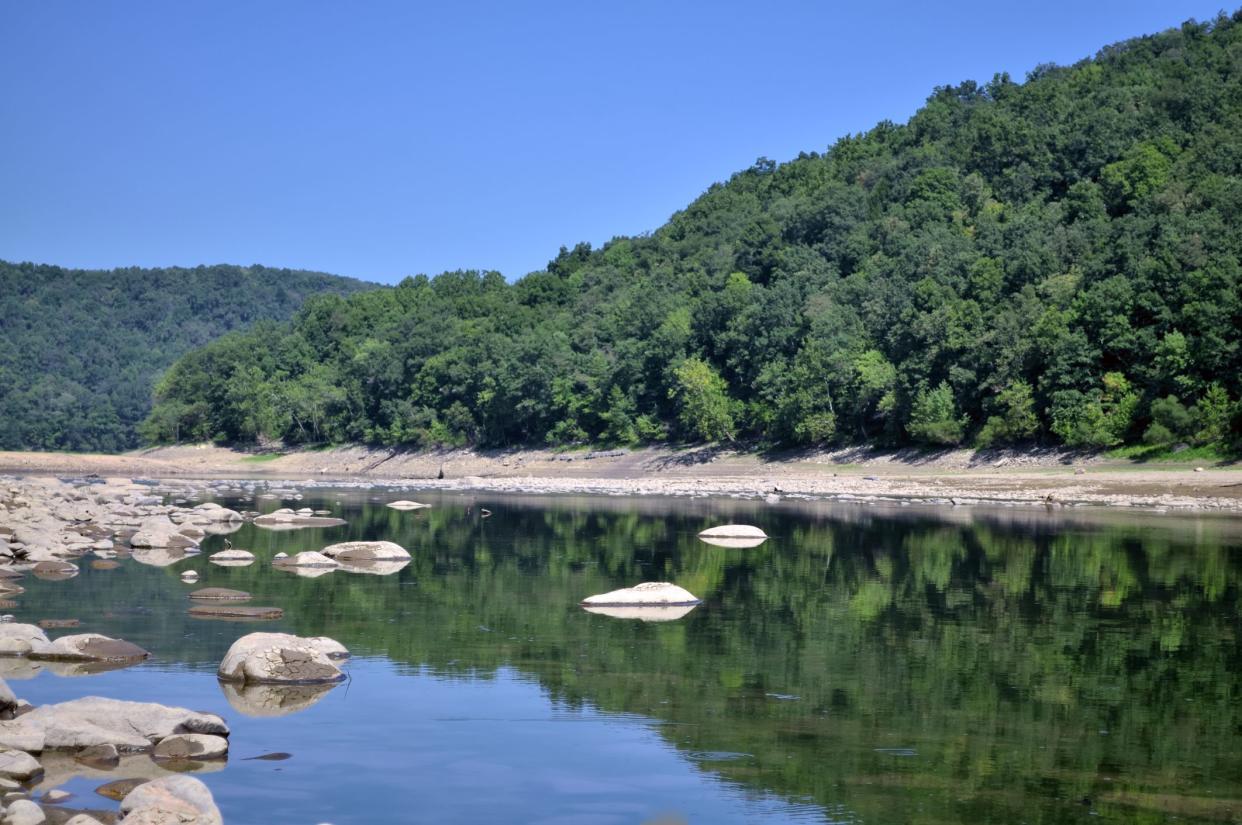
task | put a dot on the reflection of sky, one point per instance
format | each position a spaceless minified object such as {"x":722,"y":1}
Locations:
{"x":393,"y":746}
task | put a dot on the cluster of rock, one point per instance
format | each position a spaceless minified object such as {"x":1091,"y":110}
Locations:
{"x":374,"y":557}
{"x":263,"y":674}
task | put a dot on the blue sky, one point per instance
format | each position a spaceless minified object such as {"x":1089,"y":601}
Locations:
{"x":384,"y":139}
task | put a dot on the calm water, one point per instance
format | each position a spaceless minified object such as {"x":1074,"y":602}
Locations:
{"x":864,"y":665}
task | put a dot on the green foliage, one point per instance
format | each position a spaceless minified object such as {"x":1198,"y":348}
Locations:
{"x":703,"y":405}
{"x":1020,"y":260}
{"x":80,"y":350}
{"x":1017,"y":421}
{"x":934,"y":418}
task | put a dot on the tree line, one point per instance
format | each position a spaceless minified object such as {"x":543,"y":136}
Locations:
{"x":1055,"y":260}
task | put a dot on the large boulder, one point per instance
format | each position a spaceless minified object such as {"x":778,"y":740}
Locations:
{"x":662,"y":594}
{"x":19,"y":639}
{"x":89,"y":647}
{"x":281,"y":658}
{"x":179,"y":800}
{"x":83,"y":723}
{"x":365,"y":551}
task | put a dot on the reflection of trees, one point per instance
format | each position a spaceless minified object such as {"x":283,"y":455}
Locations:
{"x":1043,"y":662}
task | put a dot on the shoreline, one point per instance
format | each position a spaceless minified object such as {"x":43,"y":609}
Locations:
{"x":959,"y":477}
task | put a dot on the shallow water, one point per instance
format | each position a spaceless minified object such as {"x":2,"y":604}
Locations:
{"x":863,"y":665}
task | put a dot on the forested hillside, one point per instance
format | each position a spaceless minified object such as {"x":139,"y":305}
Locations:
{"x":1053,"y":260}
{"x":80,"y":350}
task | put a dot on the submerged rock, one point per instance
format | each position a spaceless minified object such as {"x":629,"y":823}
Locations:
{"x":19,"y":766}
{"x":174,"y":799}
{"x":236,"y":612}
{"x":120,"y":788}
{"x":220,"y":594}
{"x":286,"y":519}
{"x":645,"y":594}
{"x":281,"y":658}
{"x":24,"y":812}
{"x":54,"y":571}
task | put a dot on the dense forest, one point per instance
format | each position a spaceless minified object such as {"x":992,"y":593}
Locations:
{"x":1055,"y":260}
{"x":80,"y":350}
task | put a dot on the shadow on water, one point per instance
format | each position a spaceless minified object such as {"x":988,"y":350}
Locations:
{"x":874,"y":664}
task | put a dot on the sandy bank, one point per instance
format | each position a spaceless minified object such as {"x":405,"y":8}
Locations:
{"x":1027,"y":478}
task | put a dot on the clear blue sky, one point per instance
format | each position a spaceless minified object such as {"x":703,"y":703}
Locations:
{"x":383,"y":139}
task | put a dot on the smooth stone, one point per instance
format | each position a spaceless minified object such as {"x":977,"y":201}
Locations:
{"x":189,"y":577}
{"x":92,"y":720}
{"x":55,"y":624}
{"x":173,"y":799}
{"x":364,"y":551}
{"x":54,"y":571}
{"x":99,"y":756}
{"x":734,"y":543}
{"x":25,"y":812}
{"x":280,"y":658}
{"x":105,"y":564}
{"x":646,"y":613}
{"x":645,"y":594}
{"x":19,"y":766}
{"x":89,"y":647}
{"x":307,"y":558}
{"x":236,"y":612}
{"x":19,"y":639}
{"x":55,"y":797}
{"x":192,"y":746}
{"x":733,"y":531}
{"x":83,"y":819}
{"x":406,"y":505}
{"x":220,"y":594}
{"x":233,"y":557}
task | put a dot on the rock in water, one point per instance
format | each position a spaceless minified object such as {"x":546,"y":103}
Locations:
{"x":54,"y":571}
{"x":192,"y":746}
{"x":646,"y":613}
{"x":273,"y":700}
{"x":20,"y":639}
{"x":90,"y":721}
{"x":24,"y":812}
{"x":280,"y":658}
{"x":308,"y":558}
{"x":406,"y":505}
{"x":89,"y":647}
{"x":661,"y":594}
{"x":19,"y":766}
{"x":236,"y":612}
{"x":183,"y":800}
{"x":233,"y":557}
{"x":362,"y":551}
{"x":220,"y":594}
{"x":119,"y":789}
{"x":733,"y":531}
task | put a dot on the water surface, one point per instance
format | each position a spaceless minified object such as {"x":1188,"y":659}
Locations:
{"x":864,"y":665}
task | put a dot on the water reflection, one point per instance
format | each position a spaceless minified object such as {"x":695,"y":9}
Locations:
{"x":884,"y":664}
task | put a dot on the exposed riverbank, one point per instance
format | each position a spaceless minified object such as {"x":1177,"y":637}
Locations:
{"x":1013,"y":477}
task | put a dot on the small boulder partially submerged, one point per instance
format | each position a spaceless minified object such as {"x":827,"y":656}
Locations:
{"x":19,"y":639}
{"x":191,"y":746}
{"x":406,"y":505}
{"x":307,"y":558}
{"x":262,"y":700}
{"x":286,"y":519}
{"x":54,"y":571}
{"x":220,"y":594}
{"x":739,"y":536}
{"x":88,"y":647}
{"x":647,"y":594}
{"x":83,"y":723}
{"x":236,"y":612}
{"x":364,"y":551}
{"x":645,"y":613}
{"x":232,"y":557}
{"x":281,"y":658}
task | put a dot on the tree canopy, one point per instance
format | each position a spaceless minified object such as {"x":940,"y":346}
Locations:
{"x":1057,"y":259}
{"x":80,"y":350}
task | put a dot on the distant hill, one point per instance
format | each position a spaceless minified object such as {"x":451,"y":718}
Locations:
{"x":80,"y":349}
